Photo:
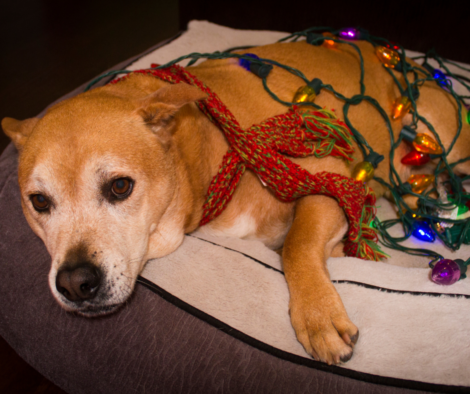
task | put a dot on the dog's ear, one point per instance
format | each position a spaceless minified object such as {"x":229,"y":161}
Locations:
{"x":158,"y":109}
{"x":18,"y":130}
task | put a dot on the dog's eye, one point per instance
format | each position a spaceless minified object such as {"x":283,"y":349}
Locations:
{"x":40,"y":203}
{"x":121,"y":187}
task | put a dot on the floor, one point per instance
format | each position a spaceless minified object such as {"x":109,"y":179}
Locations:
{"x":49,"y":47}
{"x":16,"y":376}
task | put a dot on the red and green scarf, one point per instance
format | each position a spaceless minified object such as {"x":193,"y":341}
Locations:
{"x":260,"y":148}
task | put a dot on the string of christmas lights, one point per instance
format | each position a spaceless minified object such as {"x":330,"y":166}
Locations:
{"x":431,"y":220}
{"x":426,"y":148}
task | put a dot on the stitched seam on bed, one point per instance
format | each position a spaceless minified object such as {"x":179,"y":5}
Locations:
{"x":345,"y":281}
{"x":237,"y":251}
{"x":290,"y":357}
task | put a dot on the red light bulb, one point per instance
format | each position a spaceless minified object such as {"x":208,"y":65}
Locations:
{"x":415,"y":158}
{"x":393,"y":45}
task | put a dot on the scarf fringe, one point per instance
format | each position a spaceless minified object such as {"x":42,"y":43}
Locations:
{"x":364,"y":245}
{"x":334,"y":136}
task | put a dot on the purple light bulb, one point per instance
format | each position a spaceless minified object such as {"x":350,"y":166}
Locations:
{"x":349,"y":33}
{"x":445,"y":272}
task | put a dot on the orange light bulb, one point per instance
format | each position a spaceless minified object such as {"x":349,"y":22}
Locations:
{"x":329,"y":43}
{"x":387,"y":56}
{"x":426,"y":144}
{"x":401,"y":107}
{"x":419,"y":183}
{"x":363,"y":171}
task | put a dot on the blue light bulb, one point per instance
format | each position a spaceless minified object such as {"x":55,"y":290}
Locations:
{"x":245,"y":63}
{"x":439,"y":76}
{"x":423,"y":231}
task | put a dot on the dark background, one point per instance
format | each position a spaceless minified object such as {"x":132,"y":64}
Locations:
{"x":49,"y":47}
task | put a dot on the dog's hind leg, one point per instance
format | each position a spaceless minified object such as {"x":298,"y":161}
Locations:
{"x":317,"y":312}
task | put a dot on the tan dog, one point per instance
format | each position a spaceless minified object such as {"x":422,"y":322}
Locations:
{"x":116,"y":176}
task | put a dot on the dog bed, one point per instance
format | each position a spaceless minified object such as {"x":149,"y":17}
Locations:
{"x":213,"y":317}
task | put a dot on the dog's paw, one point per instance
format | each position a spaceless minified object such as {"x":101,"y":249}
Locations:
{"x":323,"y":326}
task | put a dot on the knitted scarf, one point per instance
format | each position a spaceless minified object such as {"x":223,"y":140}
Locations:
{"x":260,"y":148}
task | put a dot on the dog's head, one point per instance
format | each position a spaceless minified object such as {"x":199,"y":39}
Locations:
{"x":99,"y":181}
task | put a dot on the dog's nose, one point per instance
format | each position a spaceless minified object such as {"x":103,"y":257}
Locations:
{"x":80,"y":282}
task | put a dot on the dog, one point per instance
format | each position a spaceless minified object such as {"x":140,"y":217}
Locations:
{"x":118,"y":175}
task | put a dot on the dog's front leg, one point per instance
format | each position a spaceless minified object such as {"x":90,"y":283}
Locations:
{"x":317,"y":312}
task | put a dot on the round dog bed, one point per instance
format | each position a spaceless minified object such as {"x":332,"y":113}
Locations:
{"x":212,"y":317}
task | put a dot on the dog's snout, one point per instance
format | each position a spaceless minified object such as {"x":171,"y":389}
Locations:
{"x":80,"y":282}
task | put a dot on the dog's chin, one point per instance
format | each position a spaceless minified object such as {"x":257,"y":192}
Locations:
{"x":95,"y":311}
{"x":88,"y":309}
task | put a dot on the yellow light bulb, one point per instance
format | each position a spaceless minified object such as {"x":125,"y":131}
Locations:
{"x":303,"y":94}
{"x":419,"y":183}
{"x":329,"y":43}
{"x":387,"y":56}
{"x":426,"y":144}
{"x":363,"y":171}
{"x":401,"y":107}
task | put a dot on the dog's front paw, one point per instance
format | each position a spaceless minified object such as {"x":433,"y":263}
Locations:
{"x":323,"y":326}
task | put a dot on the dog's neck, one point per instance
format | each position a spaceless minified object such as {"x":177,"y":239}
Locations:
{"x":198,"y":148}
